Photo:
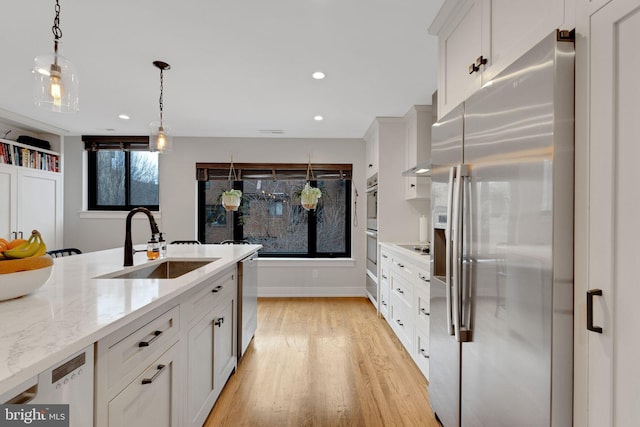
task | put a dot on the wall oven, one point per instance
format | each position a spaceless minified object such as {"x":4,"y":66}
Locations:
{"x":372,"y":203}
{"x":372,"y":239}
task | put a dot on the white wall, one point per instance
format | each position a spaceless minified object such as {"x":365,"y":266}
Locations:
{"x":91,"y":232}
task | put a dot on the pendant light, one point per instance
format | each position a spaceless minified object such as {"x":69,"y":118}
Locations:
{"x":160,"y":139}
{"x":55,"y":77}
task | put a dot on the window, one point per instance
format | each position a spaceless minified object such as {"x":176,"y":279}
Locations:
{"x":122,"y":175}
{"x":271,"y":213}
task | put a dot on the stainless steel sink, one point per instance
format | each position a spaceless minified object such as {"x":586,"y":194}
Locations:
{"x":169,"y":269}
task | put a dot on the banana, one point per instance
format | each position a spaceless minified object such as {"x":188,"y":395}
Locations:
{"x":28,"y":249}
{"x":42,"y":250}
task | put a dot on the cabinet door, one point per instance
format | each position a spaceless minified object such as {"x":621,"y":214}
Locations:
{"x":613,"y":252}
{"x":152,"y":399}
{"x":8,"y":201}
{"x":40,"y":205}
{"x":512,"y":27}
{"x":224,"y":348}
{"x":458,"y":46}
{"x":200,"y":383}
{"x":212,"y":358}
{"x":371,"y":149}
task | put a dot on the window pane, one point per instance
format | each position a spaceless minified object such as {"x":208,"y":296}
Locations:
{"x":274,"y":217}
{"x":218,"y":223}
{"x":330,"y":214}
{"x":144,"y":178}
{"x":110,"y":175}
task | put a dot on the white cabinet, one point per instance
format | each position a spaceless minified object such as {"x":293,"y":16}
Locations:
{"x":422,"y":312}
{"x":479,"y":38}
{"x":153,"y":397}
{"x":211,"y":346}
{"x":401,"y":309}
{"x":407,"y":289}
{"x":384,"y":283}
{"x":458,"y":26}
{"x":418,"y":121}
{"x":607,"y":227}
{"x":138,"y":372}
{"x":31,"y":199}
{"x":371,"y":139}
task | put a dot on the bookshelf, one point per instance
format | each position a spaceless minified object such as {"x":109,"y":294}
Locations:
{"x":18,"y":154}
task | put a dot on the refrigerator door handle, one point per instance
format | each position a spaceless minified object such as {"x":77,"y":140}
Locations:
{"x":448,"y":249}
{"x":455,"y":262}
{"x":464,"y":282}
{"x":462,"y":171}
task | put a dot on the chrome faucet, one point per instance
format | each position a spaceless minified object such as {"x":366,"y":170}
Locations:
{"x":128,"y":245}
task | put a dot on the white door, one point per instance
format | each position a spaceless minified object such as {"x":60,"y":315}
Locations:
{"x":614,"y":224}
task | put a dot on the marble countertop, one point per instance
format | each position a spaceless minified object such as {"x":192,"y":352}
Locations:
{"x":74,"y":309}
{"x":422,"y":260}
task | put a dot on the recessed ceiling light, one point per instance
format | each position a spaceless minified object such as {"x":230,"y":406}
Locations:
{"x":124,"y":117}
{"x":318,"y":75}
{"x":318,"y":118}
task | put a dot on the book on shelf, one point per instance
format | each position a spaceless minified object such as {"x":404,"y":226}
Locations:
{"x":28,"y":157}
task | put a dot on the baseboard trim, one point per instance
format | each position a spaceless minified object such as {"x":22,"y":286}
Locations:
{"x":318,"y":291}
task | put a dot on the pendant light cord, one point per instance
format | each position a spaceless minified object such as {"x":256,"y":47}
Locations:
{"x":57,"y":32}
{"x":161,"y":93}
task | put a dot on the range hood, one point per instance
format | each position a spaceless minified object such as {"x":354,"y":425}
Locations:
{"x":421,"y":169}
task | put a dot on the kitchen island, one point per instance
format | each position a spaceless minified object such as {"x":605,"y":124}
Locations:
{"x":78,"y":306}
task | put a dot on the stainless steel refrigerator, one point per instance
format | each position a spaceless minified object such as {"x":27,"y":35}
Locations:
{"x":502,"y":264}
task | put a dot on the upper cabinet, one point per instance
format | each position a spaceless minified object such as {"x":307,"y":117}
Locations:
{"x":479,"y":38}
{"x":371,"y":139}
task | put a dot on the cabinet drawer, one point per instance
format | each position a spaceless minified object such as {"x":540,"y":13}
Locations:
{"x":402,"y":289}
{"x":384,"y":296}
{"x":403,"y":268}
{"x":385,"y":258}
{"x":207,"y":295}
{"x":423,"y":278}
{"x":421,"y":351}
{"x":152,"y":398}
{"x":152,"y":338}
{"x":422,"y":310}
{"x":402,"y":321}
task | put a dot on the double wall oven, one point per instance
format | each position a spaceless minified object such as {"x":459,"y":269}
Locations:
{"x":372,"y":238}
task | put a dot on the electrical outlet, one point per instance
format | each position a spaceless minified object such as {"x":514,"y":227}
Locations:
{"x":314,"y":273}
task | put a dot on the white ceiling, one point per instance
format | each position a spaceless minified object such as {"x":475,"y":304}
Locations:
{"x":237,"y":66}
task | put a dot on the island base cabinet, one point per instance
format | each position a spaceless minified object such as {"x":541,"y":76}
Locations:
{"x":152,"y":399}
{"x":138,"y":372}
{"x":212,"y":358}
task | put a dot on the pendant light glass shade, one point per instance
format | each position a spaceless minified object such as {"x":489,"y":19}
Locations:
{"x":56,"y":83}
{"x":160,"y":139}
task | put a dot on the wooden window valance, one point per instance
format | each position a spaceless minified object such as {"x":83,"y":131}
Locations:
{"x":272,"y":171}
{"x":113,"y":142}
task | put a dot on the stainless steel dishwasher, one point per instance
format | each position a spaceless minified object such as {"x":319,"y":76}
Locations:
{"x":247,"y":301}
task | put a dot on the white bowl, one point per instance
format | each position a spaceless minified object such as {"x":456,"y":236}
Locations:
{"x":14,"y":285}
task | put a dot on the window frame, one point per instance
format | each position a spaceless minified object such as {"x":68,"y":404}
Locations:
{"x":126,"y":144}
{"x":312,"y":222}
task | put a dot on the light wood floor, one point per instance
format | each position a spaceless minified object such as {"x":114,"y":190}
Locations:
{"x":323,"y":362}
